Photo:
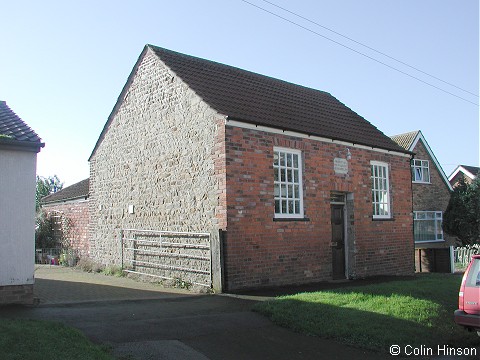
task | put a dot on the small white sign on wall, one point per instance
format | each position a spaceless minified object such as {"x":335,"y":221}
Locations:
{"x":340,"y":166}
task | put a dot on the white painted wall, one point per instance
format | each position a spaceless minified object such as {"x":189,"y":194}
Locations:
{"x":17,"y":217}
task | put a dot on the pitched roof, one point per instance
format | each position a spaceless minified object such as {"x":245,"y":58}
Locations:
{"x":470,"y":171}
{"x":261,"y":100}
{"x":15,"y":132}
{"x":406,"y":140}
{"x":72,"y":192}
{"x":409,"y":141}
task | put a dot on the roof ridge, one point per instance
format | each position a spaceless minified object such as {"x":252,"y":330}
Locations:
{"x":213,"y":62}
{"x":261,"y":100}
{"x":74,"y":191}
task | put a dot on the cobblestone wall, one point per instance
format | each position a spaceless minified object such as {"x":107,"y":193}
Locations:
{"x":155,"y":166}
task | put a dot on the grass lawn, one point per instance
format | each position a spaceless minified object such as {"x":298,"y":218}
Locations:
{"x":37,"y":340}
{"x":407,"y":312}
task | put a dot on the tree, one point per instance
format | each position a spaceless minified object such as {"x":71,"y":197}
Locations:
{"x":46,"y":186}
{"x":462,"y":217}
{"x":44,"y":236}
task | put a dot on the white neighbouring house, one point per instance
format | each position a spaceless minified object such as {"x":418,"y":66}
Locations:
{"x":19,"y":146}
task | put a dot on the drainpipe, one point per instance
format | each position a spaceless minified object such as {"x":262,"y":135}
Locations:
{"x":413,"y":224}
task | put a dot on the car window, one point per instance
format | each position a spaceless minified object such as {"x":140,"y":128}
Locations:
{"x":473,"y":277}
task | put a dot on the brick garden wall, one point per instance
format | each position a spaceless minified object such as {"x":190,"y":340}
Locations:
{"x":78,"y":215}
{"x":261,"y":251}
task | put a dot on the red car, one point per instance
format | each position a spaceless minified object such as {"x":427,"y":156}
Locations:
{"x":468,"y":313}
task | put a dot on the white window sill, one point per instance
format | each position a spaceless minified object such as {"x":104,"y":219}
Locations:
{"x":429,"y":241}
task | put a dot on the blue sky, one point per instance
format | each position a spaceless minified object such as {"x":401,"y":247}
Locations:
{"x":63,"y":64}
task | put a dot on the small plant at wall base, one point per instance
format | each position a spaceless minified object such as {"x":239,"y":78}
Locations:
{"x":113,"y":270}
{"x":182,"y":284}
{"x":88,"y":265}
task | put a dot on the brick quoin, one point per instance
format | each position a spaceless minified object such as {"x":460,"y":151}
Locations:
{"x":262,"y":252}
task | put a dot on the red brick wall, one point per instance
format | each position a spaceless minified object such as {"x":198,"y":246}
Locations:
{"x":260,"y":251}
{"x":78,"y":216}
{"x":16,"y":294}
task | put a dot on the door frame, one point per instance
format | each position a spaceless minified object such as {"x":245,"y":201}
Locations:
{"x":340,"y":198}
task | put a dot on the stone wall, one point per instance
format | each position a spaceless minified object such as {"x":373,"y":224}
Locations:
{"x":262,"y":251}
{"x":157,"y":166}
{"x":431,"y":197}
{"x":75,"y":219}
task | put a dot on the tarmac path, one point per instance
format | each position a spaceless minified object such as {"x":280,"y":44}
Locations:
{"x":145,"y":321}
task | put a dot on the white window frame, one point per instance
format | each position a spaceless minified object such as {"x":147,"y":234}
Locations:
{"x":380,"y":190}
{"x":437,"y":221}
{"x":288,"y":186}
{"x":418,"y":168}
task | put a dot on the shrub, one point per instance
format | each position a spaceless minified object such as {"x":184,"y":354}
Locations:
{"x":44,"y":231}
{"x":88,"y":265}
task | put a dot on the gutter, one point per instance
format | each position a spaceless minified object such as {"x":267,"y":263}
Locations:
{"x":12,"y":144}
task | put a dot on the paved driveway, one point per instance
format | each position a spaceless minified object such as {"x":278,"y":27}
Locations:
{"x":63,"y":285}
{"x":144,"y":321}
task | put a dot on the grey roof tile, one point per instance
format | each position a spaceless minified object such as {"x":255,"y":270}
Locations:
{"x":14,"y":128}
{"x":75,"y":191}
{"x":262,"y":100}
{"x":472,"y":169}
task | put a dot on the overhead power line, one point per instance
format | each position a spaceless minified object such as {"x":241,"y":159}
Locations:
{"x":369,"y":47}
{"x":359,"y":52}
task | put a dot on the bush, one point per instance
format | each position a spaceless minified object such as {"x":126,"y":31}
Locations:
{"x":44,"y":232}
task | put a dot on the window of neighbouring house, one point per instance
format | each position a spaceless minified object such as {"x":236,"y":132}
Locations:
{"x":380,"y":190}
{"x":427,"y":226}
{"x":287,"y":166}
{"x":420,"y":171}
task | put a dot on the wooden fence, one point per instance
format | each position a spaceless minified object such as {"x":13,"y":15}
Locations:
{"x":464,"y":254}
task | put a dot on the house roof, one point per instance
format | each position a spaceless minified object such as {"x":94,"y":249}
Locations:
{"x":470,"y":171}
{"x":261,"y":100}
{"x":406,"y":140}
{"x":72,"y":192}
{"x":15,"y":132}
{"x":409,"y":141}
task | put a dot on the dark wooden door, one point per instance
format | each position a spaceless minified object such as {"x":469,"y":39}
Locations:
{"x":338,"y":243}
